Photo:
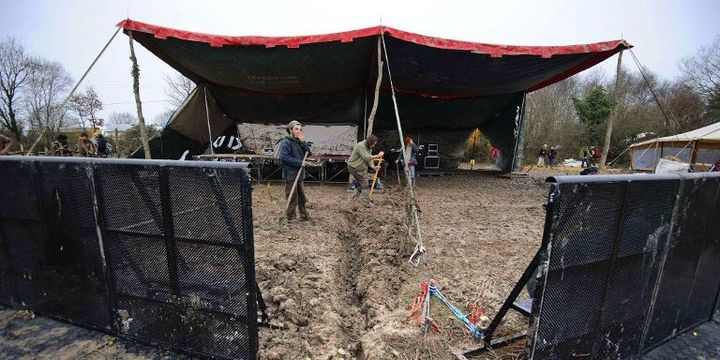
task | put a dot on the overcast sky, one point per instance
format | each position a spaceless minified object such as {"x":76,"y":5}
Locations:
{"x":73,"y":32}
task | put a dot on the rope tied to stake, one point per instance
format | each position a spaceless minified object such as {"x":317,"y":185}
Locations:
{"x":419,"y":253}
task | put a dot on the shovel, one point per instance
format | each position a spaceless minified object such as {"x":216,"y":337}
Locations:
{"x":377,"y":170}
{"x":297,"y":177}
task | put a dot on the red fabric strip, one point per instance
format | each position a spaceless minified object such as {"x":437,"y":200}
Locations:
{"x":493,"y":50}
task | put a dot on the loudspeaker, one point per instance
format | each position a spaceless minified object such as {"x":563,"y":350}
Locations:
{"x":432,"y":150}
{"x":432,"y":162}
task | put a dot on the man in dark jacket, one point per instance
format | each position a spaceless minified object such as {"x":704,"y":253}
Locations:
{"x":102,"y":146}
{"x":551,"y":155}
{"x":292,"y":150}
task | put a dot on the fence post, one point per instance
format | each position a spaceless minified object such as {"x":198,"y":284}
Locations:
{"x":171,"y":249}
{"x":613,"y":255}
{"x":661,"y":267}
{"x":95,"y":191}
{"x":246,"y":244}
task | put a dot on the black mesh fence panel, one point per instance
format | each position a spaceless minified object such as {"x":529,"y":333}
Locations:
{"x":139,"y":266}
{"x":686,"y":281}
{"x":72,"y":253}
{"x":212,"y":272}
{"x":630,"y":262}
{"x":130,"y":198}
{"x":160,"y":252}
{"x":646,"y":223}
{"x":48,"y":226}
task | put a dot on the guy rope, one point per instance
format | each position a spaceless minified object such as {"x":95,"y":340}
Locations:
{"x":414,"y":232}
{"x":420,"y":309}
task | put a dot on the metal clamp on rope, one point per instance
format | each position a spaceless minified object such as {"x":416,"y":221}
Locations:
{"x":417,"y":254}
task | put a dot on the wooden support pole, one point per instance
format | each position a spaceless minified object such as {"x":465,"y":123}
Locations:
{"x":371,"y":118}
{"x":117,"y":143}
{"x":615,"y":111}
{"x":136,"y":90}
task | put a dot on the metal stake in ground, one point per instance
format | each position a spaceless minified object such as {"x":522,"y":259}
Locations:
{"x":397,"y":168}
{"x":297,"y":177}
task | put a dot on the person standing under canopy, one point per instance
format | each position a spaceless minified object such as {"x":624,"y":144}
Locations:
{"x":411,"y":153}
{"x":292,"y":150}
{"x":360,"y":159}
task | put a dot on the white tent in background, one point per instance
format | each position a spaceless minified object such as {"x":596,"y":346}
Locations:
{"x":699,"y":147}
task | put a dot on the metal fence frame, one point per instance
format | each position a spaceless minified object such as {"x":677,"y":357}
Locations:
{"x":678,"y":264}
{"x":39,"y":279}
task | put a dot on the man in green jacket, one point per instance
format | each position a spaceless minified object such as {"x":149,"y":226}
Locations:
{"x":360,"y":159}
{"x":585,"y":157}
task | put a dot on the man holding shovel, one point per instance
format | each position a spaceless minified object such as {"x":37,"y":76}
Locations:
{"x":358,"y":163}
{"x":293,"y":152}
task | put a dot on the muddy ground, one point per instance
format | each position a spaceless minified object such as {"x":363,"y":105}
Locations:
{"x":341,"y":285}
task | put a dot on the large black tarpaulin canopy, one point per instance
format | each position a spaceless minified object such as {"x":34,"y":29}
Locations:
{"x":441,"y":85}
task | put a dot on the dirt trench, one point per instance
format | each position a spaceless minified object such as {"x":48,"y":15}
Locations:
{"x":353,"y":306}
{"x":330,"y":282}
{"x":370,"y":272}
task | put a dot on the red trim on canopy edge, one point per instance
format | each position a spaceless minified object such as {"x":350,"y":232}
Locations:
{"x":596,"y":59}
{"x":440,"y":43}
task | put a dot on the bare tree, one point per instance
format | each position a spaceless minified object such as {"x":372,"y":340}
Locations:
{"x":550,"y":115}
{"x":117,"y":124}
{"x":130,"y":141}
{"x":122,"y":120}
{"x":86,"y":105}
{"x":48,"y":84}
{"x":161,"y":119}
{"x":550,"y":118}
{"x":702,"y":71}
{"x":178,"y":88}
{"x":15,"y":68}
{"x":686,"y":106}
